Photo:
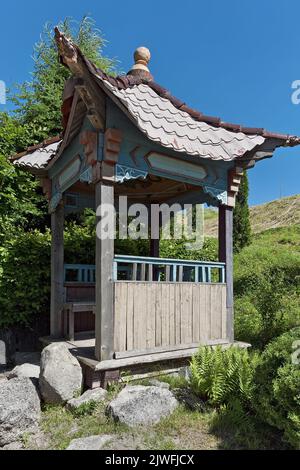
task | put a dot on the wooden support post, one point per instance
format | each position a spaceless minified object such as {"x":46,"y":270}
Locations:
{"x":154,"y":242}
{"x":104,"y":320}
{"x":226,"y":256}
{"x":57,"y":271}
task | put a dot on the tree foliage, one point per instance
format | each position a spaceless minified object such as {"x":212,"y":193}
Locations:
{"x":277,"y":378}
{"x":36,"y":116}
{"x":241,"y":219}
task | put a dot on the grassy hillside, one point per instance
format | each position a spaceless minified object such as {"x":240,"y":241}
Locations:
{"x":267,"y":285}
{"x":279,"y":213}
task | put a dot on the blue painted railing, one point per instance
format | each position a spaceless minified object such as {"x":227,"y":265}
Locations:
{"x":140,"y":268}
{"x":83,"y":273}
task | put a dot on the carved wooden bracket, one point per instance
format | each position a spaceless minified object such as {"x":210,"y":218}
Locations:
{"x":112,"y":144}
{"x":234,"y":180}
{"x":94,"y":109}
{"x":103,"y":171}
{"x":89,"y":140}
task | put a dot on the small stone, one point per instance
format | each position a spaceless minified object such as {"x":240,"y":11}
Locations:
{"x":61,"y":375}
{"x":189,"y":399}
{"x":89,"y":443}
{"x":25,"y":370}
{"x":139,"y":404}
{"x":3,"y":359}
{"x":159,"y":383}
{"x":96,"y":395}
{"x":185,"y":372}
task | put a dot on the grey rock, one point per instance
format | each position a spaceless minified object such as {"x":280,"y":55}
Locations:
{"x":189,"y":399}
{"x":27,"y":357}
{"x":95,"y":395}
{"x":139,"y":404}
{"x":89,"y":443}
{"x":3,"y":359}
{"x":25,"y":370}
{"x":158,"y":383}
{"x":13,"y":446}
{"x":61,"y":374}
{"x":185,"y":372}
{"x":20,"y":409}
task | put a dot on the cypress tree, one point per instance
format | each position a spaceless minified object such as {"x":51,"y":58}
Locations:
{"x":241,"y":219}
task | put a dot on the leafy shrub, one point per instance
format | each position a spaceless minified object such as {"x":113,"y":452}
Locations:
{"x":277,"y":392}
{"x":220,"y":376}
{"x":25,"y":271}
{"x":178,"y":249}
{"x":266,"y":286}
{"x":25,"y":278}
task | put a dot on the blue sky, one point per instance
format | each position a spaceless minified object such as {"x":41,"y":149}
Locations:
{"x":233,"y":59}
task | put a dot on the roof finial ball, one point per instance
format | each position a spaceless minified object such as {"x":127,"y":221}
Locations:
{"x":140,"y":68}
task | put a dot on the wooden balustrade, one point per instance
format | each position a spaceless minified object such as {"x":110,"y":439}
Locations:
{"x":139,"y":268}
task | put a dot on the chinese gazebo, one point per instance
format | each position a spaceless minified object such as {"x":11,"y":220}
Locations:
{"x":127,"y":135}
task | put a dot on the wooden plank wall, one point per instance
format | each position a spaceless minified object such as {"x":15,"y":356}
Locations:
{"x":163,"y":314}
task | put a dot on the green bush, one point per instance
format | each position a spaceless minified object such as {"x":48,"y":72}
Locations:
{"x":221,"y":376}
{"x":178,"y":249}
{"x":277,"y":391}
{"x":25,"y":278}
{"x":25,"y":271}
{"x":266,"y":286}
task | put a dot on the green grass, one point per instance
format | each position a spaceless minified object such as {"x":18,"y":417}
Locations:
{"x":61,"y":425}
{"x":267,"y":285}
{"x":282,"y":212}
{"x":183,"y":429}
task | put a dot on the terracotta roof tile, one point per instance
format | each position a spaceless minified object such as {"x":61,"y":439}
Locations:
{"x":38,"y":156}
{"x":131,"y":81}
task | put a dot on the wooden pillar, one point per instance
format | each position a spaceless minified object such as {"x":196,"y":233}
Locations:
{"x":57,"y":271}
{"x":104,"y":321}
{"x":154,"y":243}
{"x":226,"y":256}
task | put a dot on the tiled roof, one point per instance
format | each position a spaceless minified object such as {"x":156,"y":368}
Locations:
{"x":170,"y":122}
{"x":125,"y":82}
{"x":163,"y":118}
{"x":163,"y":123}
{"x":38,"y":156}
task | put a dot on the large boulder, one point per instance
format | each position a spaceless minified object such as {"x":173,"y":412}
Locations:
{"x":90,"y":442}
{"x":25,"y":370}
{"x":139,"y":404}
{"x":90,"y":396}
{"x":19,"y":409}
{"x":61,"y":374}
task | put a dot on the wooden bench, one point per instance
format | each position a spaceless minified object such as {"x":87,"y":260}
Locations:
{"x":70,"y":308}
{"x":79,"y":298}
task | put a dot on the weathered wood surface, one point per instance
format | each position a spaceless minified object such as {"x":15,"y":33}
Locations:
{"x":57,"y":271}
{"x":159,"y":315}
{"x":226,"y":256}
{"x":83,"y":349}
{"x":104,"y":283}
